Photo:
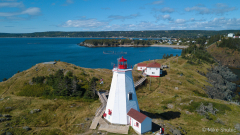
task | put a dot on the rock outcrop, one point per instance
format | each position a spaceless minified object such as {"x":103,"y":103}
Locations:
{"x":220,"y":77}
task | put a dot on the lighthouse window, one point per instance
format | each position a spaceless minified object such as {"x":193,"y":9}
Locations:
{"x":130,"y":96}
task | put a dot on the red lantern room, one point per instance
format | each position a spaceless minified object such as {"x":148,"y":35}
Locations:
{"x":122,"y":63}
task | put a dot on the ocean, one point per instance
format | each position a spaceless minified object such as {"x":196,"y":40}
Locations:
{"x":18,"y":54}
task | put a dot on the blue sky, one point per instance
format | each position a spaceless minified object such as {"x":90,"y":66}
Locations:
{"x":24,"y":16}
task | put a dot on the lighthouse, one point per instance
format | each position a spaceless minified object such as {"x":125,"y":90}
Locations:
{"x":122,"y":96}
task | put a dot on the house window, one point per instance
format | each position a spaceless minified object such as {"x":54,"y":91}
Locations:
{"x":156,"y":69}
{"x":153,"y":72}
{"x":149,"y":68}
{"x":137,"y":124}
{"x":129,"y":96}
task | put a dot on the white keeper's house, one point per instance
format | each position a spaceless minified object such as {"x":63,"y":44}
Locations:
{"x":152,"y":69}
{"x":122,"y":105}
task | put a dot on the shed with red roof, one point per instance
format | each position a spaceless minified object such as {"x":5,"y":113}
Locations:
{"x":139,"y":122}
{"x":141,"y":66}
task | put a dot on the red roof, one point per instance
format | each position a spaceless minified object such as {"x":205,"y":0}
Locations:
{"x":154,"y":64}
{"x":136,"y":115}
{"x":142,"y":64}
{"x":122,"y":59}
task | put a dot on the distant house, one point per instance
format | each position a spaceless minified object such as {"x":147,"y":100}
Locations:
{"x":139,"y":122}
{"x":141,"y":66}
{"x":153,"y":69}
{"x":170,"y":42}
{"x":231,"y":35}
{"x":236,"y":37}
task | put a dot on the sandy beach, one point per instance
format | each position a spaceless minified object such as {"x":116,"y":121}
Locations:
{"x":172,"y":46}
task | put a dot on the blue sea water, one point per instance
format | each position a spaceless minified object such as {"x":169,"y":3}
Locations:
{"x":18,"y":54}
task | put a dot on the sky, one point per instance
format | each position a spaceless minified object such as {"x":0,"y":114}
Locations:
{"x":27,"y":16}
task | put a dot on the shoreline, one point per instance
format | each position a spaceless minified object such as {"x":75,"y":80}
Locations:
{"x":154,"y":45}
{"x":172,"y":46}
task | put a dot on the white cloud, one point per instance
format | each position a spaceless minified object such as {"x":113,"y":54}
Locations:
{"x":30,"y":11}
{"x":69,"y":1}
{"x":164,"y":17}
{"x":220,"y":8}
{"x":201,"y":10}
{"x":180,"y":20}
{"x":21,"y":10}
{"x":167,"y":10}
{"x":12,"y":4}
{"x":156,"y":2}
{"x":123,"y":18}
{"x":192,"y":19}
{"x":84,"y":23}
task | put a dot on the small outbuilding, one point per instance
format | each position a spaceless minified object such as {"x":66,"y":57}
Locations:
{"x":141,"y":66}
{"x":139,"y":122}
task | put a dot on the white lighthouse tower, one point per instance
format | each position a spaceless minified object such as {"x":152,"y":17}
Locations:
{"x":122,"y":95}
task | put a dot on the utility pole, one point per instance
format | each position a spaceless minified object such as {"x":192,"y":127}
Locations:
{"x":150,"y":84}
{"x":169,"y":64}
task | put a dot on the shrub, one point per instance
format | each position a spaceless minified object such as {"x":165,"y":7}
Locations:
{"x":4,"y":79}
{"x":38,"y":79}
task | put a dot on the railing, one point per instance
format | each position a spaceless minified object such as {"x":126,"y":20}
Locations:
{"x":128,"y":66}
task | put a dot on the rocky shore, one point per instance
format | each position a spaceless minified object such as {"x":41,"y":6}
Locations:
{"x":130,"y":45}
{"x":126,"y":45}
{"x":221,"y":79}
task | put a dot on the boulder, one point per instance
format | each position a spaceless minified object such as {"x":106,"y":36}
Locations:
{"x":203,"y":110}
{"x":35,"y":111}
{"x":6,"y":115}
{"x":8,"y":133}
{"x":26,"y":128}
{"x":170,"y":106}
{"x":237,"y":126}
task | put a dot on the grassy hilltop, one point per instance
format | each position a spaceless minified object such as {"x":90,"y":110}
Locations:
{"x":171,"y":99}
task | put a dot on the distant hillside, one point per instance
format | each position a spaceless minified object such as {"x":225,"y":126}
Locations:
{"x":227,"y":53}
{"x":137,"y":34}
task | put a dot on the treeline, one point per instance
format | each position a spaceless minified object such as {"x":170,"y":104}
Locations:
{"x":168,"y":56}
{"x":231,"y":43}
{"x":198,"y":53}
{"x":59,"y":85}
{"x":140,"y":34}
{"x":116,"y":42}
